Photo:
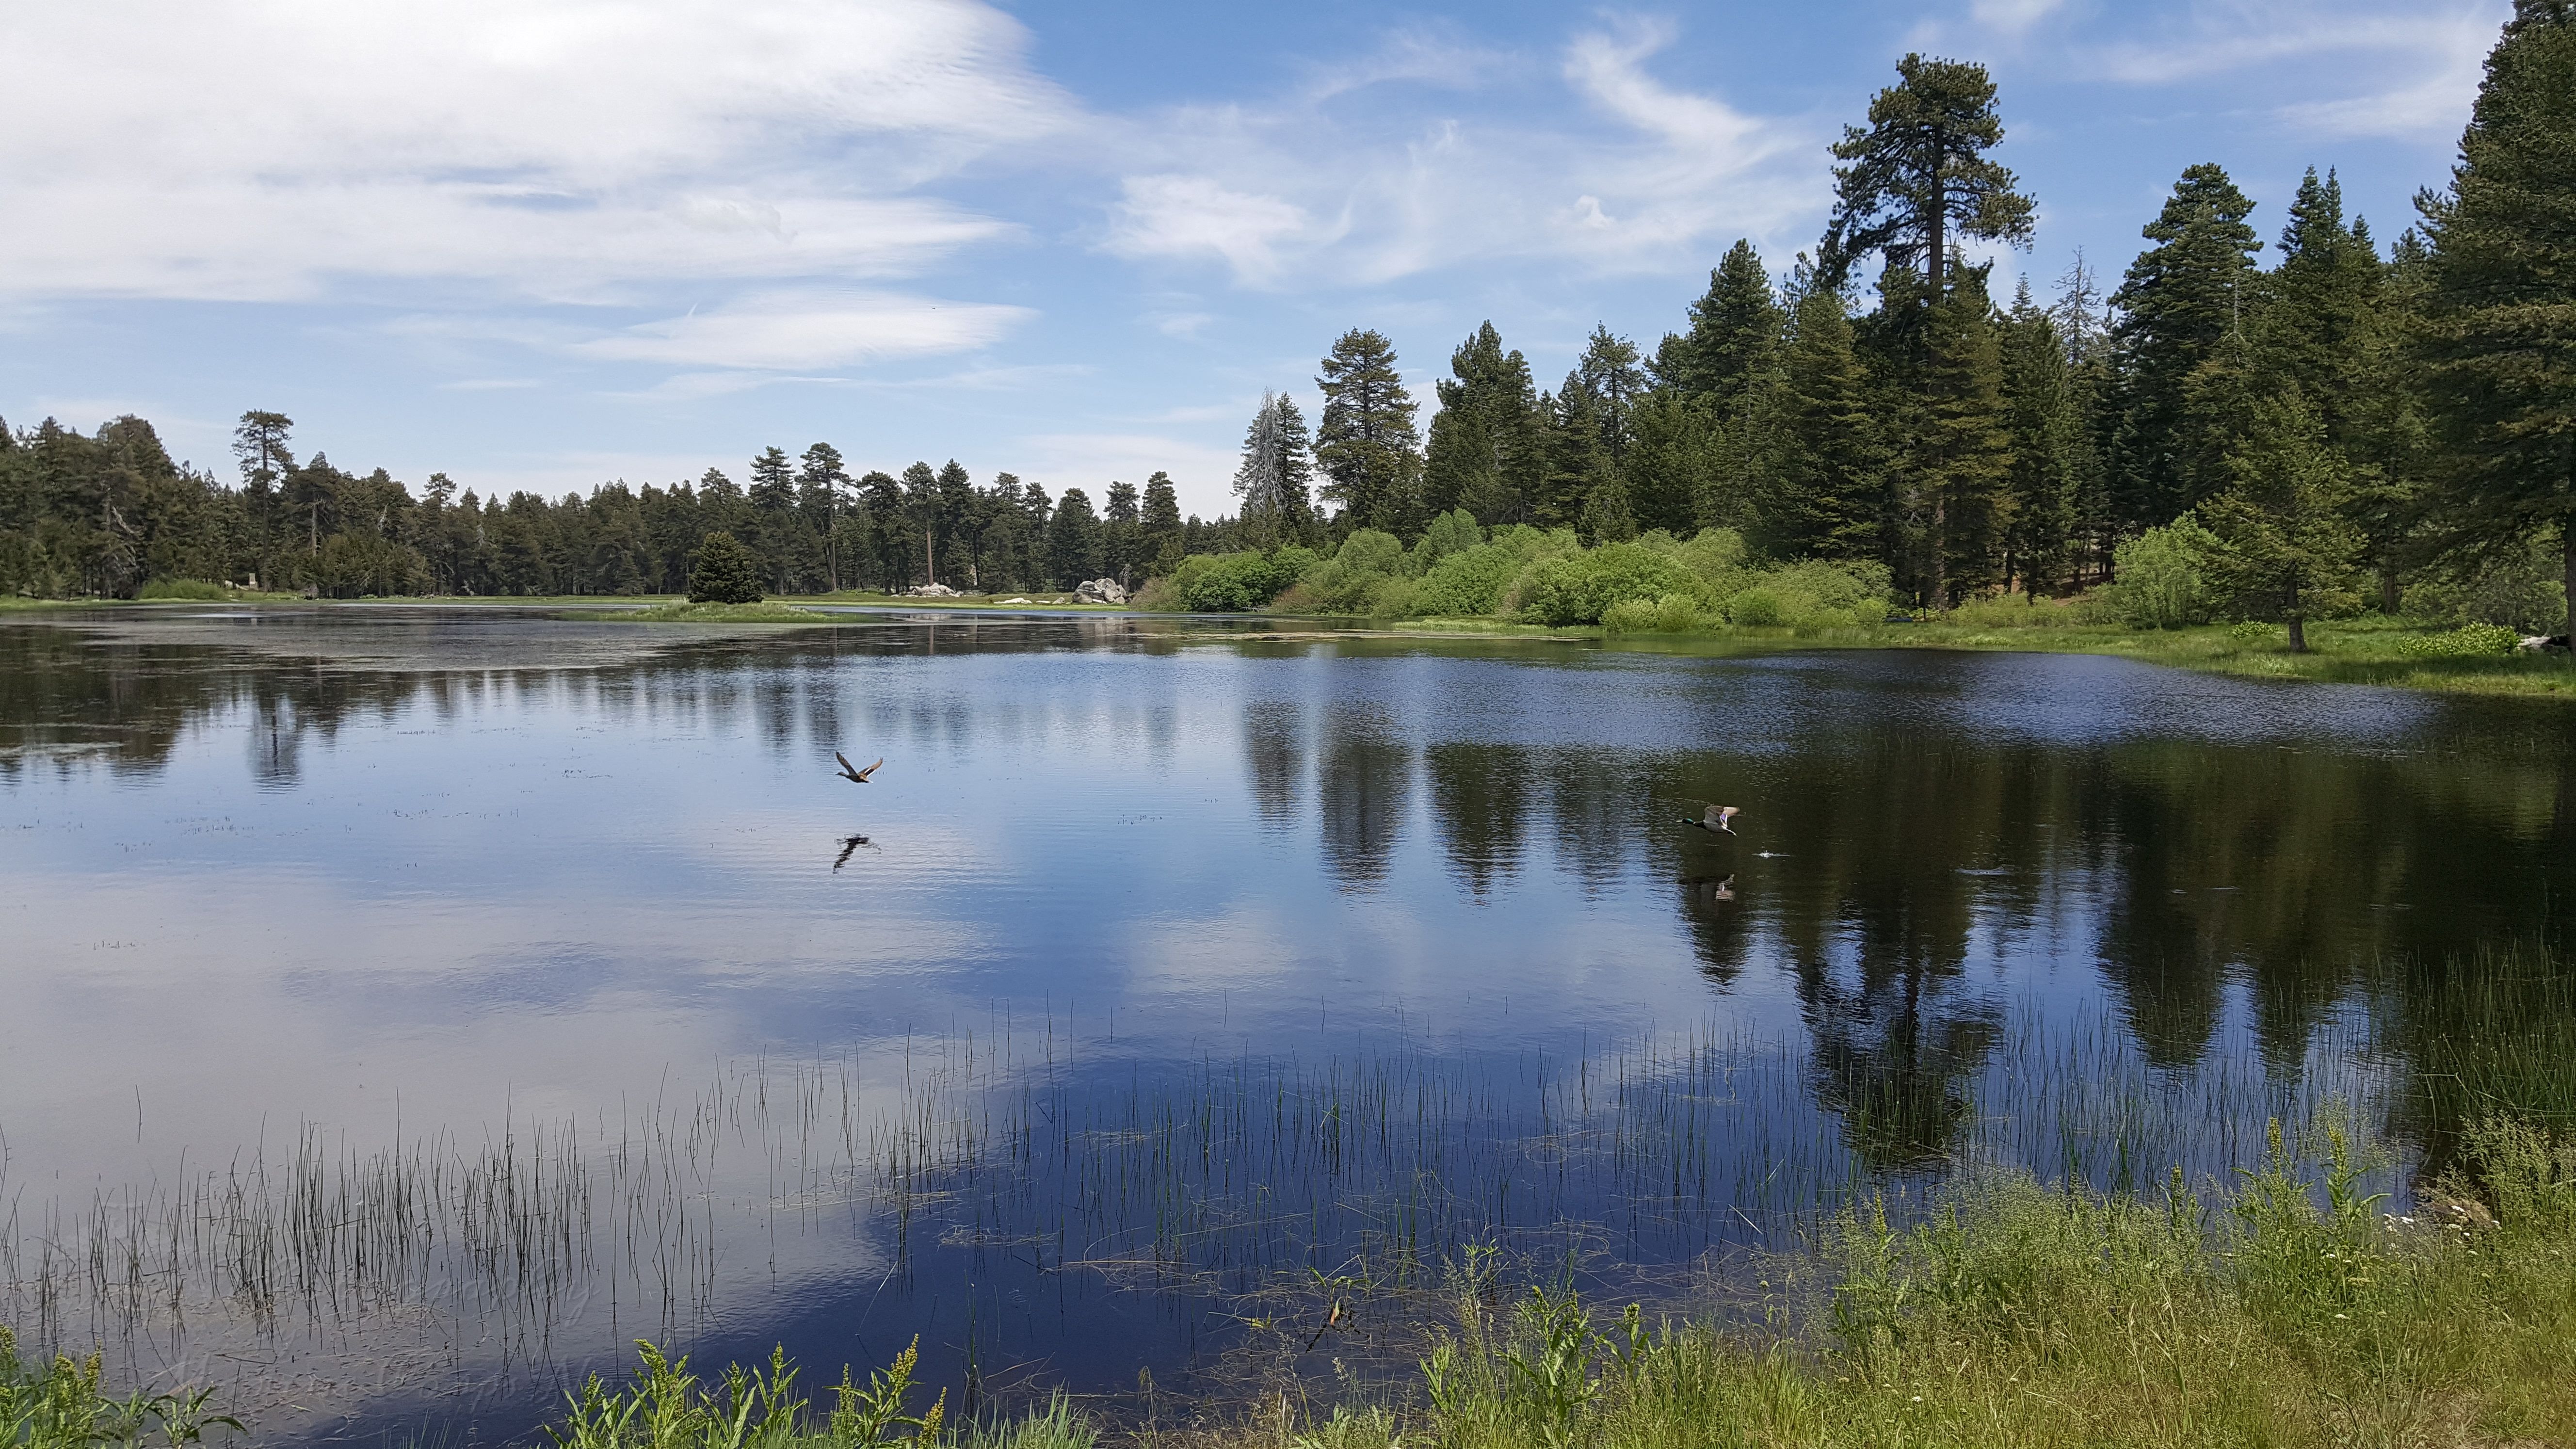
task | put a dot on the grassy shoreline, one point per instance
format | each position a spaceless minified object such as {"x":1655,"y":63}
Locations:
{"x":2371,"y":651}
{"x":2283,"y":1308}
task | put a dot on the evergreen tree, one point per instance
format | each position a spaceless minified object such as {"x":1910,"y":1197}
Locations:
{"x":773,"y":500}
{"x":1834,"y":505}
{"x":1161,"y":520}
{"x":726,"y":572}
{"x":1918,"y":177}
{"x":2181,"y":299}
{"x":820,"y":479}
{"x":1963,"y":456}
{"x":1366,"y":443}
{"x":1734,"y":332}
{"x":1579,"y":468}
{"x":890,"y":530}
{"x":1614,"y":382}
{"x":1122,"y":538}
{"x":1073,"y":541}
{"x":2281,"y":525}
{"x":1488,"y":451}
{"x":2047,"y":431}
{"x":2499,"y":333}
{"x":1668,"y":462}
{"x":1274,"y":478}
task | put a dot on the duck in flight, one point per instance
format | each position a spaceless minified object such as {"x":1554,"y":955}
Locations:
{"x":853,"y":773}
{"x":1715,"y":821}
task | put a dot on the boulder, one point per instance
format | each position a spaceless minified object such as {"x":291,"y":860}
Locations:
{"x":934,"y":591}
{"x":1100,"y":591}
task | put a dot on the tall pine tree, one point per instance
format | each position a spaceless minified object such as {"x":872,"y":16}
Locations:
{"x":1366,"y":443}
{"x":2181,"y":299}
{"x":2499,"y":334}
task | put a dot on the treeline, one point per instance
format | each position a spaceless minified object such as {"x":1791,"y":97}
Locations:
{"x":2311,"y":434}
{"x":108,"y":514}
{"x":2319,"y":429}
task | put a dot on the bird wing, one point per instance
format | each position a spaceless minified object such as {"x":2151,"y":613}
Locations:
{"x":1715,"y":817}
{"x":872,"y":769}
{"x":1727,"y":812}
{"x":846,"y":767}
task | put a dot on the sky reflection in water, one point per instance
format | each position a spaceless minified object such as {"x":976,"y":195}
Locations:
{"x":387,"y":874}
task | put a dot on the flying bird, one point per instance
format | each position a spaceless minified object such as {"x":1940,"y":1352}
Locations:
{"x":853,"y":773}
{"x":1715,"y":821}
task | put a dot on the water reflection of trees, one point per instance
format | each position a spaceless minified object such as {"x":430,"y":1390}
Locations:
{"x":1363,"y":777}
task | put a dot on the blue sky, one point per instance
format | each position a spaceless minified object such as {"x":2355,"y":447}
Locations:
{"x":547,"y":243}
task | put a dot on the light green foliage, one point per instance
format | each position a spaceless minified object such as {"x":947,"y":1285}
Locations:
{"x":1367,"y":573}
{"x":1579,"y":588}
{"x":2465,"y":642}
{"x":62,"y":1405}
{"x":1468,"y":583}
{"x":1235,"y":583}
{"x":1671,"y":614}
{"x":2163,"y":581}
{"x":2285,"y":1309}
{"x":1451,"y":532}
{"x":1756,"y":608}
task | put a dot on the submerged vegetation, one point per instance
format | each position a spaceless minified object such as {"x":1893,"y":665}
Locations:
{"x":2286,"y":1305}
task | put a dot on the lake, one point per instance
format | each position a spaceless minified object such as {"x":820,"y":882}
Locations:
{"x":407,"y":1008}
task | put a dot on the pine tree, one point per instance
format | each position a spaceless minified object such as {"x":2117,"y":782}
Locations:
{"x":1610,"y":376}
{"x":1918,"y":177}
{"x":2047,"y":430}
{"x":2281,"y":525}
{"x":1734,"y":332}
{"x":889,"y":529}
{"x":1963,"y":455}
{"x":1366,"y":443}
{"x":726,"y":572}
{"x":2180,"y":300}
{"x":1073,"y":541}
{"x":819,"y":481}
{"x":2499,"y":336}
{"x":1667,"y":462}
{"x":1271,"y":480}
{"x":1488,"y":450}
{"x":1834,"y":503}
{"x":1161,"y":520}
{"x":1579,"y":468}
{"x":773,"y":498}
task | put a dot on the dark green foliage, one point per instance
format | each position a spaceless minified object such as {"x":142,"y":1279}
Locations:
{"x":2182,"y":298}
{"x":725,"y":573}
{"x":1918,"y":176}
{"x":1734,"y":332}
{"x":1367,"y":445}
{"x":2499,"y":337}
{"x":1489,"y":445}
{"x":1073,"y":541}
{"x":1161,"y":522}
{"x":2281,"y":525}
{"x":1836,"y":464}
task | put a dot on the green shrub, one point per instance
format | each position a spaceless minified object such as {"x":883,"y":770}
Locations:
{"x":1671,"y":614}
{"x":2163,"y":581}
{"x":1351,"y":581}
{"x":2256,"y":632}
{"x":1237,"y":583}
{"x":1468,"y":583}
{"x":2465,"y":642}
{"x":194,"y":590}
{"x":1580,"y":588}
{"x":1755,"y":608}
{"x":1453,"y":532}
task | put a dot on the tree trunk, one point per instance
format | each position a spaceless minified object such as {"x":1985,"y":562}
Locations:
{"x":2297,"y":619}
{"x":2388,"y":589}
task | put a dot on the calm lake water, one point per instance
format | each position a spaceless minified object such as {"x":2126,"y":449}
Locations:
{"x":405,"y":1009}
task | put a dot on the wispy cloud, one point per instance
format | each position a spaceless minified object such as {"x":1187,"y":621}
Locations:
{"x":1635,"y":174}
{"x":807,"y":331}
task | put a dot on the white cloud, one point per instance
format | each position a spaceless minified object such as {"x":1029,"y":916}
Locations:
{"x":2219,"y":41}
{"x":1293,"y":193}
{"x":807,"y":331}
{"x":268,"y":149}
{"x":2013,"y":16}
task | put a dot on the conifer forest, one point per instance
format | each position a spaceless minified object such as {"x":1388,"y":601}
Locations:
{"x":2327,"y":418}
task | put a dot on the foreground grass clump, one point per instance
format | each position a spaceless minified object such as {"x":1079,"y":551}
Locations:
{"x":2286,"y":1310}
{"x":60,"y":1405}
{"x":670,"y":1407}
